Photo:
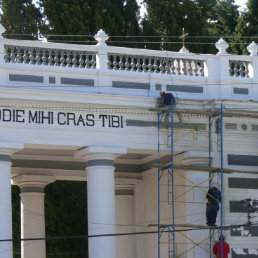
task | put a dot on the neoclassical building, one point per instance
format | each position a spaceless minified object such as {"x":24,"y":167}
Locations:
{"x":88,"y":112}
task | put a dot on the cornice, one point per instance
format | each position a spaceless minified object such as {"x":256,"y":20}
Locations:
{"x":46,"y":99}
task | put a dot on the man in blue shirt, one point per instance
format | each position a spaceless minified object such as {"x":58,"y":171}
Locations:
{"x":167,"y":99}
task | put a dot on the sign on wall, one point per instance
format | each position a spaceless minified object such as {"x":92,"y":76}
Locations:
{"x":60,"y":118}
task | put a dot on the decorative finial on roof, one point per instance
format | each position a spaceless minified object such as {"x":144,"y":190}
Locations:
{"x":222,"y":46}
{"x":183,"y":36}
{"x":252,"y":49}
{"x":101,"y":37}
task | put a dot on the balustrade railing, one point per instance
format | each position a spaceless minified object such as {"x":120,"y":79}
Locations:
{"x":103,"y":57}
{"x":154,"y":64}
{"x":239,"y":68}
{"x":50,"y":57}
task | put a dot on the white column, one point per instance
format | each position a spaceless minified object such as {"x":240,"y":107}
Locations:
{"x":6,"y":150}
{"x":32,"y":214}
{"x":101,"y":199}
{"x":125,"y":221}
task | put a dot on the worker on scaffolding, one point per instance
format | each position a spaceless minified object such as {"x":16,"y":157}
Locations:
{"x":225,"y":248}
{"x":214,"y":197}
{"x":168,"y":99}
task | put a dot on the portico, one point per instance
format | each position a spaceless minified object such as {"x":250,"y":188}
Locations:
{"x":70,"y":112}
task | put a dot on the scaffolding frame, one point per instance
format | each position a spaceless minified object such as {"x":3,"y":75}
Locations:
{"x":168,"y":112}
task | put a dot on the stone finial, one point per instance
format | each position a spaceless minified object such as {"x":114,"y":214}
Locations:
{"x":101,"y":37}
{"x":184,"y":50}
{"x":42,"y":38}
{"x":221,"y":45}
{"x":252,"y":49}
{"x":2,"y":30}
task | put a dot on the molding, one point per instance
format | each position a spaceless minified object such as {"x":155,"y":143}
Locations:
{"x":100,"y":152}
{"x":7,"y":148}
{"x":28,"y":181}
{"x":197,"y":158}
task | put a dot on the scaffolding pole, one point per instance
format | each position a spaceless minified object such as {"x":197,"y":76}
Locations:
{"x":219,"y":131}
{"x":168,"y":112}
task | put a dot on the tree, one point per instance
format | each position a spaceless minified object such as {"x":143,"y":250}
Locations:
{"x":224,"y":21}
{"x":168,"y":18}
{"x":16,"y":220}
{"x":82,"y":17}
{"x":66,"y":215}
{"x":247,"y":27}
{"x":226,"y":17}
{"x":20,"y":18}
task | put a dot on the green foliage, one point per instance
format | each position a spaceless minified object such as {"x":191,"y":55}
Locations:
{"x":66,"y":215}
{"x":247,"y":26}
{"x":168,"y":18}
{"x":207,"y":20}
{"x":16,"y":220}
{"x":81,"y":17}
{"x":20,"y":17}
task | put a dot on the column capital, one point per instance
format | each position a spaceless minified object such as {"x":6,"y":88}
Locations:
{"x":8,"y":148}
{"x":32,"y":183}
{"x":100,"y":153}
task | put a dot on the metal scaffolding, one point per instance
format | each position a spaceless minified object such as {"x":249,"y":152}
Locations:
{"x":167,"y":114}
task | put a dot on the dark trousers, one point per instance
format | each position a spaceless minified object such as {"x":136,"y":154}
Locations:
{"x":211,"y":214}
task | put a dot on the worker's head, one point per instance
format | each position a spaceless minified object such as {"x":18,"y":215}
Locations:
{"x":222,"y":236}
{"x":162,"y":93}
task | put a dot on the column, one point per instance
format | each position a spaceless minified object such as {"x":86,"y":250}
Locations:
{"x":6,"y":150}
{"x":101,"y":199}
{"x":32,"y":213}
{"x":125,"y":221}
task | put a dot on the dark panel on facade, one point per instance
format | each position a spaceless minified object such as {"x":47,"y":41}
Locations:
{"x":158,"y":86}
{"x":243,"y":91}
{"x":182,"y":88}
{"x":243,"y":183}
{"x":242,"y":160}
{"x":238,"y":206}
{"x":124,"y":192}
{"x":25,"y":78}
{"x":231,"y":126}
{"x":80,"y":82}
{"x":140,"y":123}
{"x":244,"y":255}
{"x":253,"y":231}
{"x":254,"y":127}
{"x":52,"y":80}
{"x":131,"y":85}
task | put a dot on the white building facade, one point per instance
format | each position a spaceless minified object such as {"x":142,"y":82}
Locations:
{"x":77,"y":112}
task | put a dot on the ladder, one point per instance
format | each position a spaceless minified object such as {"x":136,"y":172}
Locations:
{"x":167,"y":114}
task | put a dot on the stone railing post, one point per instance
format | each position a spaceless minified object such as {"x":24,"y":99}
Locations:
{"x":253,"y":49}
{"x":211,"y":76}
{"x":223,"y":68}
{"x":103,"y":82}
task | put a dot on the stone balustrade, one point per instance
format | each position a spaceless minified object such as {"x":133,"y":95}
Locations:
{"x":134,"y":71}
{"x":49,"y":56}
